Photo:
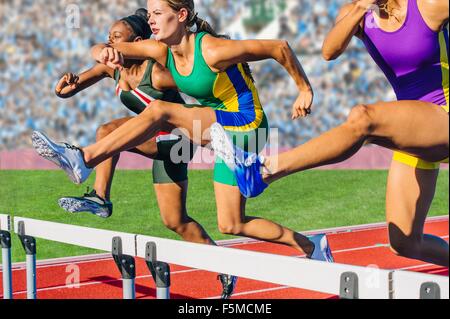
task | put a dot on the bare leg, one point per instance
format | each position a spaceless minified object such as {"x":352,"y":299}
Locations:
{"x":410,"y":193}
{"x":145,"y":126}
{"x":415,"y":127}
{"x":172,"y":205}
{"x":232,"y":221}
{"x":105,"y":171}
{"x":171,"y":197}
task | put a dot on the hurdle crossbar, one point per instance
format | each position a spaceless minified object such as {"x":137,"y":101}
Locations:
{"x":83,"y":237}
{"x":335,"y":279}
{"x":5,"y":222}
{"x":414,"y":285}
{"x":282,"y":270}
{"x":98,"y":239}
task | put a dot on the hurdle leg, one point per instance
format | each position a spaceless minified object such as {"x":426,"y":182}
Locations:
{"x":29,"y":245}
{"x":31,"y":276}
{"x":160,"y":272}
{"x":5,"y":240}
{"x":161,"y":276}
{"x":127,"y":267}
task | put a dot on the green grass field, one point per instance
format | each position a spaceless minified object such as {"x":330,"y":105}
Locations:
{"x":307,"y":201}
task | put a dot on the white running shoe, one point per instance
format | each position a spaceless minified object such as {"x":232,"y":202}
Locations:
{"x":246,"y":166}
{"x":89,"y":202}
{"x":67,"y":157}
{"x":322,"y":251}
{"x":222,"y":145}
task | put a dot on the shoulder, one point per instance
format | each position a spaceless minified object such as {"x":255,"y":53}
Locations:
{"x":214,"y":49}
{"x":210,"y":42}
{"x":435,"y":12}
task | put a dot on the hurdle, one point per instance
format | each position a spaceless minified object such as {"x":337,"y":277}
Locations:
{"x":120,"y":245}
{"x":5,"y":241}
{"x":335,"y":279}
{"x":412,"y":285}
{"x":345,"y":281}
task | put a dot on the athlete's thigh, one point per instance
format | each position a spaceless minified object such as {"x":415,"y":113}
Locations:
{"x":115,"y":124}
{"x":410,"y":192}
{"x":195,"y":120}
{"x":148,"y":149}
{"x":230,"y":204}
{"x":415,"y":127}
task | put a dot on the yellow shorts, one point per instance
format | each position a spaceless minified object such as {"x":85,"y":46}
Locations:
{"x":417,"y":162}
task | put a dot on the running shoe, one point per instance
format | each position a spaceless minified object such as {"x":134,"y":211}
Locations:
{"x":228,"y":285}
{"x":322,"y":250}
{"x":88,"y":203}
{"x":246,"y":166}
{"x":67,"y":157}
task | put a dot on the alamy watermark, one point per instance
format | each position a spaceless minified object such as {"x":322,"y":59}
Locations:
{"x":263,"y":141}
{"x":73,"y":277}
{"x":73,"y":16}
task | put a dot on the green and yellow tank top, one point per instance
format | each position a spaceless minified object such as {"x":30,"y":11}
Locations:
{"x":232,"y":93}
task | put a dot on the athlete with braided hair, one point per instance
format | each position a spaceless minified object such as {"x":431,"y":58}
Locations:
{"x":139,"y":83}
{"x":214,"y":71}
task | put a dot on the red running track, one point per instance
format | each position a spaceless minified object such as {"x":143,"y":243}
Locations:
{"x":100,"y":279}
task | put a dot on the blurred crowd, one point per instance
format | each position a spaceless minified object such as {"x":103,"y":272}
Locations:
{"x":41,"y":40}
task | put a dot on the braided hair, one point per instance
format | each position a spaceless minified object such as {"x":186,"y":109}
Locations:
{"x":138,"y":24}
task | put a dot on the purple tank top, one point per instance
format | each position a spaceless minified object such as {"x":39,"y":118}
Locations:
{"x":413,"y":58}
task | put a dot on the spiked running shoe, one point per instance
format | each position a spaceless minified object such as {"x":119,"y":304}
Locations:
{"x":228,"y":285}
{"x":88,"y":203}
{"x":246,"y":166}
{"x":67,"y":157}
{"x":322,"y":250}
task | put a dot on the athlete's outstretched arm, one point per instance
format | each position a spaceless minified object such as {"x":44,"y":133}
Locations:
{"x":71,"y":84}
{"x":113,"y":55}
{"x":348,"y":24}
{"x":220,"y":54}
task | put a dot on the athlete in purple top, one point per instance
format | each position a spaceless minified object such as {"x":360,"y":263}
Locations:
{"x":408,"y":39}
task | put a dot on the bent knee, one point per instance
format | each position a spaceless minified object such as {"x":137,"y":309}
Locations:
{"x":157,"y":110}
{"x":105,"y":130}
{"x":230,"y":229}
{"x":408,"y":248}
{"x":174,"y":225}
{"x":360,"y":120}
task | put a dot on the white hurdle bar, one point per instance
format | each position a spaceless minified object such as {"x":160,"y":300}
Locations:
{"x":346,"y":281}
{"x":85,"y":237}
{"x":414,"y":285}
{"x":288,"y":271}
{"x":5,"y":240}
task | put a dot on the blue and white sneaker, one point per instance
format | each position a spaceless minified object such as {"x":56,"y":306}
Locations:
{"x":67,"y":157}
{"x":228,"y":285}
{"x":246,"y":166}
{"x":89,"y":203}
{"x":322,"y":250}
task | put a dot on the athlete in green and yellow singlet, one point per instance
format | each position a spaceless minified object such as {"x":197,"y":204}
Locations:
{"x":233,"y":96}
{"x":137,"y":86}
{"x":214,"y":70}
